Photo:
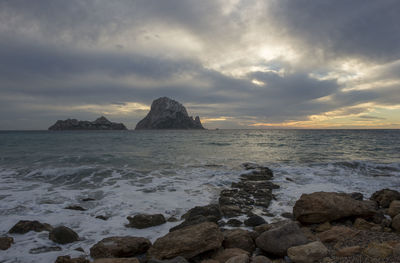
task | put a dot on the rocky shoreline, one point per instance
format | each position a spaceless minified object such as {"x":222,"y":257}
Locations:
{"x":324,"y":227}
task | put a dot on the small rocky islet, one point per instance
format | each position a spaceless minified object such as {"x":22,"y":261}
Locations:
{"x":325,"y":227}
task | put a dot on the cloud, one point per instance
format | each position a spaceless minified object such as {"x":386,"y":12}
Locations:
{"x":233,"y":62}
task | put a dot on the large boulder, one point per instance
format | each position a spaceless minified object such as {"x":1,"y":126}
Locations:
{"x":120,"y":247}
{"x":396,"y":223}
{"x":24,"y":226}
{"x":308,"y":253}
{"x":336,"y":233}
{"x":166,"y":113}
{"x":394,"y":208}
{"x":225,"y":254}
{"x":145,"y":220}
{"x":277,"y":240}
{"x":63,"y":235}
{"x":187,"y":242}
{"x":116,"y":260}
{"x":238,"y":238}
{"x":385,"y":196}
{"x":321,"y":207}
{"x":68,"y":259}
{"x":211,"y":210}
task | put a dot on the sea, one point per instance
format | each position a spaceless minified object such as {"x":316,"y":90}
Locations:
{"x":169,"y":172}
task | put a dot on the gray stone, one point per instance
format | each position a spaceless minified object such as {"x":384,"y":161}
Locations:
{"x":174,"y":260}
{"x":277,"y":240}
{"x":320,"y":207}
{"x":254,"y":220}
{"x":144,"y":220}
{"x":166,"y":113}
{"x":24,"y":226}
{"x":63,"y":235}
{"x":385,"y":196}
{"x":120,"y":247}
{"x":5,"y":242}
{"x":308,"y":253}
{"x":187,"y":242}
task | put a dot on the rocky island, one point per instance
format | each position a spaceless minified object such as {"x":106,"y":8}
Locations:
{"x":166,"y":113}
{"x":99,"y":124}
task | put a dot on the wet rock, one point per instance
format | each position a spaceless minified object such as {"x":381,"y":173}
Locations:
{"x":75,"y":207}
{"x":336,"y":233}
{"x":88,"y":199}
{"x":187,"y":242}
{"x":238,"y":238}
{"x":68,"y":259}
{"x":348,"y":251}
{"x":396,"y":223}
{"x":44,"y":249}
{"x":80,"y":249}
{"x":6,"y":242}
{"x":232,"y":210}
{"x":211,"y":210}
{"x":174,"y":260}
{"x":362,"y":224}
{"x":102,"y":217}
{"x":223,"y":255}
{"x":24,"y":226}
{"x":116,"y":260}
{"x":144,"y":220}
{"x":394,"y":208}
{"x":260,"y":259}
{"x":320,"y":207}
{"x":385,"y":196}
{"x":120,"y":247}
{"x":254,"y":220}
{"x":63,"y":235}
{"x":307,"y":253}
{"x":277,"y":240}
{"x":234,"y":222}
{"x":172,"y":219}
{"x":378,"y":250}
{"x":239,"y":259}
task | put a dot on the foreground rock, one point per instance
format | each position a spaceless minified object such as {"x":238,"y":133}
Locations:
{"x":116,"y":260}
{"x":119,"y":247}
{"x":174,"y":260}
{"x":187,"y":242}
{"x":6,"y":242}
{"x":63,"y":235}
{"x":277,"y":240}
{"x":200,"y":214}
{"x":396,"y":223}
{"x":144,"y":220}
{"x":24,"y":226}
{"x":238,"y":238}
{"x":336,"y":233}
{"x":99,"y":124}
{"x":308,"y":253}
{"x":385,"y":196}
{"x":224,"y":255}
{"x":68,"y":259}
{"x":394,"y":208}
{"x":166,"y":113}
{"x":320,"y":207}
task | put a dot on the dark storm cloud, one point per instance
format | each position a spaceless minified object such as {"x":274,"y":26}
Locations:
{"x":369,"y":29}
{"x":57,"y":53}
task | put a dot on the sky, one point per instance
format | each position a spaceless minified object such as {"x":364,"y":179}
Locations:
{"x":236,"y":63}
